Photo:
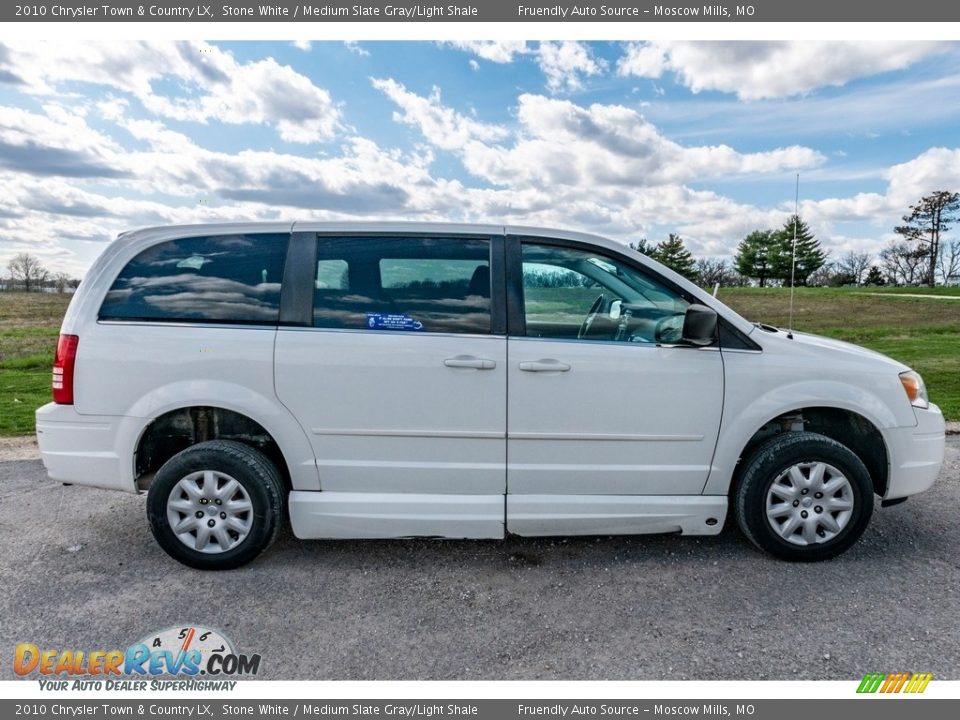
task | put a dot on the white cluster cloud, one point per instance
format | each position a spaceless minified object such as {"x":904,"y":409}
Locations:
{"x":561,"y":144}
{"x":605,"y":168}
{"x":935,"y":169}
{"x":442,"y":126}
{"x":59,"y":143}
{"x":498,"y":51}
{"x":355,"y":47}
{"x":757,"y":70}
{"x":564,"y":64}
{"x":213,"y":84}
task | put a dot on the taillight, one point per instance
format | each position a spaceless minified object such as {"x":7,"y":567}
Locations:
{"x":63,"y":369}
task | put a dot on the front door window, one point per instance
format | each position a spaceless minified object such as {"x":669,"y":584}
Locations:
{"x":573,"y":294}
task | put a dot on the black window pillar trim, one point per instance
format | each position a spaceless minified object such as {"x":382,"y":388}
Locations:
{"x":498,"y":279}
{"x":296,"y":294}
{"x":516,"y":317}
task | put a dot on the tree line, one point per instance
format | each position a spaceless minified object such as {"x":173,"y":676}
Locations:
{"x":27,"y":273}
{"x":924,"y":256}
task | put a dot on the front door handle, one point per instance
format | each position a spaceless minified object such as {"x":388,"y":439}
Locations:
{"x":546,"y":365}
{"x":469,"y":361}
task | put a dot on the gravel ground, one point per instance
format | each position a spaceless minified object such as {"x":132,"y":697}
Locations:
{"x":80,"y":570}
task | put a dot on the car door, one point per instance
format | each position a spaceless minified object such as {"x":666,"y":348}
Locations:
{"x":400,"y":381}
{"x":604,"y":400}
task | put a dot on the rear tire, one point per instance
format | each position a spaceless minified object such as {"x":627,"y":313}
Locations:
{"x":216,"y":505}
{"x":803,"y":497}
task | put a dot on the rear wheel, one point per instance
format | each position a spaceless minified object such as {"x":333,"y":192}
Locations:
{"x":803,"y":496}
{"x":216,"y":505}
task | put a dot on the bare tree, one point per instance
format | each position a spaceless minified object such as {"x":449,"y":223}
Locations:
{"x":949,"y":262}
{"x":61,"y":281}
{"x":711,"y":271}
{"x":825,"y":276}
{"x":905,"y":264}
{"x":854,"y":265}
{"x":926,"y":222}
{"x":27,"y":269}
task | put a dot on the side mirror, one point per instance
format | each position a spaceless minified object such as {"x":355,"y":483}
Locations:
{"x":699,"y":325}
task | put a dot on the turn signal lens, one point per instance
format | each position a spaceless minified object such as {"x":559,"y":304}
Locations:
{"x":915,"y":389}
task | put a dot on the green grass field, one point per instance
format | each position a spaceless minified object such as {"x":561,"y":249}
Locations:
{"x":29,"y":325}
{"x":921,"y":332}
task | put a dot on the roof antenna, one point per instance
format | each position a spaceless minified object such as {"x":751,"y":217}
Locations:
{"x":793,"y":259}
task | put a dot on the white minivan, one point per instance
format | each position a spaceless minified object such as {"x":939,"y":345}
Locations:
{"x":395,"y":380}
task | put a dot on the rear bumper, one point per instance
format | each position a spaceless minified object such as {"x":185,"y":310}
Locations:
{"x":916,"y":454}
{"x":93,"y":450}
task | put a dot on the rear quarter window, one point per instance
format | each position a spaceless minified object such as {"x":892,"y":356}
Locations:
{"x":222,"y":278}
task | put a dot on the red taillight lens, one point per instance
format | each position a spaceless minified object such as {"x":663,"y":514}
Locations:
{"x":63,"y":369}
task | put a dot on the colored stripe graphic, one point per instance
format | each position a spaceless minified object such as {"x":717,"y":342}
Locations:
{"x":918,"y":683}
{"x":894,"y":682}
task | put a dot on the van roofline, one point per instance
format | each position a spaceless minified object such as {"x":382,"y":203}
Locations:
{"x":379,"y":226}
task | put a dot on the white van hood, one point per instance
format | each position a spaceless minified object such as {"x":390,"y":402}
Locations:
{"x":817,"y":344}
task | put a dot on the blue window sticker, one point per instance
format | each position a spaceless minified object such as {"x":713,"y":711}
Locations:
{"x":392,"y":321}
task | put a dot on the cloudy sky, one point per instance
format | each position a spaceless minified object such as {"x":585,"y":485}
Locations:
{"x":627,"y":140}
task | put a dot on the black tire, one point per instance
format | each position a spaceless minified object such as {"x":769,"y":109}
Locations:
{"x":768,"y":463}
{"x":260,"y":482}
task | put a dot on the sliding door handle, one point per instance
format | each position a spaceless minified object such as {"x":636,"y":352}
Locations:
{"x":546,"y":365}
{"x":469,"y":361}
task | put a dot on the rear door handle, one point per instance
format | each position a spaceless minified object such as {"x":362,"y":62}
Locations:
{"x":469,"y":361}
{"x":546,"y":365}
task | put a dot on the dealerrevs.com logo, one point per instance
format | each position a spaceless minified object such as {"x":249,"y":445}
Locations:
{"x":896,"y":682}
{"x":186,"y":653}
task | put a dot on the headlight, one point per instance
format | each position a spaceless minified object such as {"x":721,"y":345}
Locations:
{"x":915,"y":389}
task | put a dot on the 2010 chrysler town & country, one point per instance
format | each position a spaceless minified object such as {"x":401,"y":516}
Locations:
{"x":398,"y":380}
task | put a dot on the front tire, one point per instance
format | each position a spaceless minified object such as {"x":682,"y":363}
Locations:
{"x":803,"y":497}
{"x":216,"y":505}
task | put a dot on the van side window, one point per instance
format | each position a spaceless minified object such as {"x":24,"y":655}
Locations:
{"x":222,"y":278}
{"x":582,"y":295}
{"x":403,"y":284}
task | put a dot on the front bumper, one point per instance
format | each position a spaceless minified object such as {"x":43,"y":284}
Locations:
{"x":916,"y":454}
{"x":95,"y":450}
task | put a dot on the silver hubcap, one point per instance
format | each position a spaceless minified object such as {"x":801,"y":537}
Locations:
{"x":209,"y":511}
{"x":809,"y":503}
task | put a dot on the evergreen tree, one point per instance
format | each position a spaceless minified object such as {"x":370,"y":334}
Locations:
{"x":672,"y":253}
{"x":757,"y":255}
{"x":874,"y":277}
{"x":810,"y":257}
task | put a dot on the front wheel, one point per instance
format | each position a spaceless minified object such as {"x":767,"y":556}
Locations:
{"x":216,"y":505}
{"x":804,"y":497}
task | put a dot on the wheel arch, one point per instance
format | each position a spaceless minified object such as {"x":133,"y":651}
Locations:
{"x":848,"y":427}
{"x":181,"y":416}
{"x":176,"y":430}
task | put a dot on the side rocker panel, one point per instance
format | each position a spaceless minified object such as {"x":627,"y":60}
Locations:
{"x":548,"y":515}
{"x":345,"y":515}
